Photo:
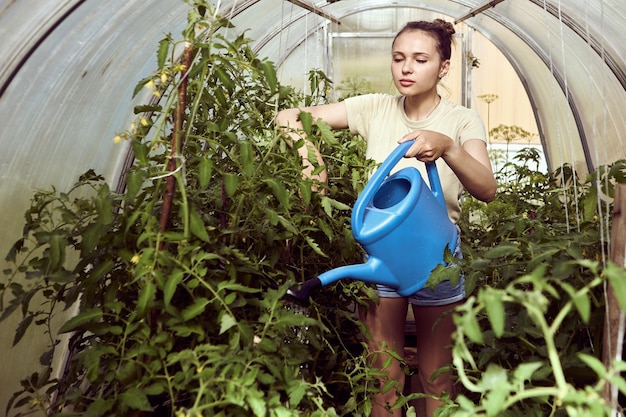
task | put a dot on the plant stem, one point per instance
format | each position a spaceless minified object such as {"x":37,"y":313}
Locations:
{"x":549,"y":332}
{"x":530,"y":393}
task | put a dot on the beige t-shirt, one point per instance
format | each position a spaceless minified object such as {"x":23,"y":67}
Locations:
{"x":380,"y":119}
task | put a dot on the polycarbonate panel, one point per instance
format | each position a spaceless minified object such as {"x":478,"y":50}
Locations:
{"x":60,"y":110}
{"x":18,"y":39}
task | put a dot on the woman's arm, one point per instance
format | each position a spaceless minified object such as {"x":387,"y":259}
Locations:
{"x":288,"y":120}
{"x":472,"y":166}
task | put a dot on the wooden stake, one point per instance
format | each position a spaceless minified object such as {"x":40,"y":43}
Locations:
{"x":615,"y":319}
{"x":177,"y":142}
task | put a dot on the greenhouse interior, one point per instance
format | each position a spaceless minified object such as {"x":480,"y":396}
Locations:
{"x":154,"y":217}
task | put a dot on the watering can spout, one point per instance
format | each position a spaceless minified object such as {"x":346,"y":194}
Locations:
{"x":302,"y":292}
{"x":373,"y":271}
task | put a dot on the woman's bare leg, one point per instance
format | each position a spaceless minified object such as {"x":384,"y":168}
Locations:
{"x":434,"y":329}
{"x":385,"y":322}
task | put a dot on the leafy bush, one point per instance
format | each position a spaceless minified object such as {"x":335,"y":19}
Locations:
{"x":529,"y":338}
{"x":178,"y":283}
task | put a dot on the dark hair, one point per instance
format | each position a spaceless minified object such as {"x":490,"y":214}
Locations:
{"x":439,"y":29}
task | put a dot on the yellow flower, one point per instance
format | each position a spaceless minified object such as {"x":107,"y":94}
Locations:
{"x":135,"y":259}
{"x":144,"y":121}
{"x":157,"y":94}
{"x":163,"y":78}
{"x":132,"y":126}
{"x":117,"y":139}
{"x":150,"y":85}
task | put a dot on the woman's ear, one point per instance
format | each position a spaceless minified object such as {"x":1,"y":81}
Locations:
{"x":445,"y":67}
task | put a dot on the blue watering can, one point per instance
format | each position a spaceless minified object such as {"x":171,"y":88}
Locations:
{"x":402,"y":225}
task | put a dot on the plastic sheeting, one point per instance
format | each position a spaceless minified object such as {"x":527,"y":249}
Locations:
{"x":69,"y":68}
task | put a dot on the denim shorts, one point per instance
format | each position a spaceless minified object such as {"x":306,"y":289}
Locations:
{"x":443,"y":294}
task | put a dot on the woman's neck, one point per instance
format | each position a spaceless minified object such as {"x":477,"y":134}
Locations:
{"x":420,"y":108}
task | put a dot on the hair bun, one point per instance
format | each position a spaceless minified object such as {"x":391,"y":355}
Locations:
{"x":447,"y":26}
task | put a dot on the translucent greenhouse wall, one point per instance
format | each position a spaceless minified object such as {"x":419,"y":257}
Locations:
{"x":69,"y":69}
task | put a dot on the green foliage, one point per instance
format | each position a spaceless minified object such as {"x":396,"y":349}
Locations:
{"x":529,"y":338}
{"x":535,"y":364}
{"x":535,"y":219}
{"x":185,"y":314}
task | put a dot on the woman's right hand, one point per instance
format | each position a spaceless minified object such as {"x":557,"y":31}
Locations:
{"x":289,"y":121}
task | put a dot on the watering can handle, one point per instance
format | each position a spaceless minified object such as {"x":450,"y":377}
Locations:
{"x":435,"y":183}
{"x":385,"y":168}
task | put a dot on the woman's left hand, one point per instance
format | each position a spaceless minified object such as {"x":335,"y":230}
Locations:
{"x":470,"y":161}
{"x":428,"y":146}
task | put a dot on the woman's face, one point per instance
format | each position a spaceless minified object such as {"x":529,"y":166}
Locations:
{"x":416,"y":65}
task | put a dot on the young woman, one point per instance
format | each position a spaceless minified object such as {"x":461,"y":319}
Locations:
{"x":447,"y":133}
